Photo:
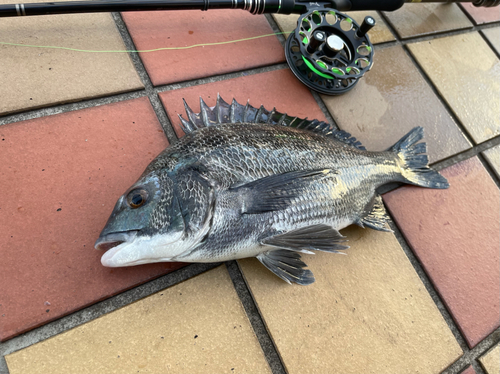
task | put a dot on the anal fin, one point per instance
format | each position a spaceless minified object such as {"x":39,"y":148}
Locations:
{"x":376,"y":217}
{"x":315,"y":237}
{"x":287,"y":265}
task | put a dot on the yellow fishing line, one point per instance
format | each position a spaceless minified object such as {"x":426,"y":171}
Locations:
{"x":143,"y":51}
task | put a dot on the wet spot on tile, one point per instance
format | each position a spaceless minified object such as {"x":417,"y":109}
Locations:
{"x":38,"y":77}
{"x":152,"y":30}
{"x":492,"y":155}
{"x":279,"y":89}
{"x":65,"y":173}
{"x":379,"y":34}
{"x":493,"y":36}
{"x":367,"y":312}
{"x":421,"y":19}
{"x":155,"y":335}
{"x":482,"y":15}
{"x":466,"y":73}
{"x":454,"y":233}
{"x":490,"y":361}
{"x":387,"y":103}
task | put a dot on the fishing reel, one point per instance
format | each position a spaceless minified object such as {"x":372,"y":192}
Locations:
{"x":329,"y":51}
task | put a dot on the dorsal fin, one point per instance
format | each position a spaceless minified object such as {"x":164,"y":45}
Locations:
{"x":237,"y":113}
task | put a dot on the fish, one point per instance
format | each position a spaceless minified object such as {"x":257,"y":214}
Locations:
{"x":249,"y":182}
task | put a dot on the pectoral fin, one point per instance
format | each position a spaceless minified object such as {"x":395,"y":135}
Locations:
{"x":276,"y":192}
{"x":287,"y":265}
{"x":376,"y":218}
{"x":316,"y":237}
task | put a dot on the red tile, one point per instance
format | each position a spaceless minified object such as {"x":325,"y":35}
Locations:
{"x":61,"y":176}
{"x":277,"y":88}
{"x":469,"y":370}
{"x":482,"y":15}
{"x":151,"y":30}
{"x":454,"y":233}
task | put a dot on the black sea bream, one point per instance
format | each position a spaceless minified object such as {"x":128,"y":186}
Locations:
{"x":246,"y":182}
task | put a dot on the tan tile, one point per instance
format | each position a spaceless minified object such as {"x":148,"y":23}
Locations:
{"x":493,"y":157}
{"x":37,"y":77}
{"x":420,"y":19}
{"x":491,"y":360}
{"x":493,"y":35}
{"x":286,"y":23}
{"x":367,"y":312}
{"x":379,"y":34}
{"x":389,"y":101}
{"x":198,"y":326}
{"x":466,"y":72}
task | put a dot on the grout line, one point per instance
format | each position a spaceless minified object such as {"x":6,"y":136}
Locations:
{"x":434,"y":34}
{"x":324,"y":109}
{"x":69,"y":107}
{"x":490,"y":44}
{"x":276,"y":29}
{"x":428,"y":285}
{"x":424,"y":75}
{"x":465,"y":155}
{"x":101,"y":308}
{"x":489,"y":169}
{"x":449,"y":109}
{"x":469,"y":355}
{"x":474,"y":353}
{"x":392,"y":28}
{"x":467,"y":14}
{"x":144,"y":76}
{"x":256,"y":320}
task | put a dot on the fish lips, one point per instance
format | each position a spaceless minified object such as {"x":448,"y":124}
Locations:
{"x":113,"y":242}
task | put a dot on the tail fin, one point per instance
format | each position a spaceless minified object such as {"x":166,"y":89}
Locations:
{"x":415,"y":168}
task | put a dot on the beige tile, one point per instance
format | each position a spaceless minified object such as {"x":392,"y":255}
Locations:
{"x":493,"y":35}
{"x":390,"y":100}
{"x":493,"y":157}
{"x":37,"y":77}
{"x":420,"y":19}
{"x":198,"y":326}
{"x":379,"y":34}
{"x":367,"y":312}
{"x":466,"y":72}
{"x":491,"y":360}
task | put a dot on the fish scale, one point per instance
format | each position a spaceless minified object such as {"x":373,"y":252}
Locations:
{"x":248,"y":182}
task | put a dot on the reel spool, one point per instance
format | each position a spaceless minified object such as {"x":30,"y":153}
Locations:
{"x":329,"y":52}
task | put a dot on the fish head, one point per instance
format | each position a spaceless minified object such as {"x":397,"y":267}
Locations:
{"x":146,"y":225}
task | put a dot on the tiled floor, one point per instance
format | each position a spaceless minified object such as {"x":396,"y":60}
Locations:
{"x":77,"y":129}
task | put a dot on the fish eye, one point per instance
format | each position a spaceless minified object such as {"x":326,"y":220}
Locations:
{"x":137,"y":198}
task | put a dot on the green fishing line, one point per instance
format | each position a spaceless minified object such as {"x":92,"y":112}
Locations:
{"x":147,"y":50}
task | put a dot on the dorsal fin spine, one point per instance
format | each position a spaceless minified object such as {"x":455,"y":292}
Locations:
{"x":186,"y":126}
{"x":205,"y":112}
{"x":237,"y":113}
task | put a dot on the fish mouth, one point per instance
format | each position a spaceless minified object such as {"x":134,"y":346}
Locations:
{"x":114,"y":239}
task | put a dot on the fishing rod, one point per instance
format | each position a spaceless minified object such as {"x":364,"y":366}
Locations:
{"x":328,"y":51}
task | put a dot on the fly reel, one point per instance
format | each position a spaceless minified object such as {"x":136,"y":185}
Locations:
{"x":329,"y":52}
